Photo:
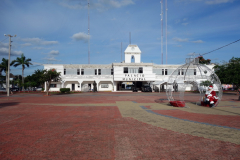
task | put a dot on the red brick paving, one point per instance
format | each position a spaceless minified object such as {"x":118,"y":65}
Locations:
{"x":147,"y":142}
{"x":50,"y":132}
{"x":58,"y":133}
{"x":223,"y":120}
{"x":90,"y":132}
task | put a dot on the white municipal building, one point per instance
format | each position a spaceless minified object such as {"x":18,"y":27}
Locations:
{"x":115,"y":76}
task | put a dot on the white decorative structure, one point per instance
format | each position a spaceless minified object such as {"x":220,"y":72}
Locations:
{"x":192,"y":76}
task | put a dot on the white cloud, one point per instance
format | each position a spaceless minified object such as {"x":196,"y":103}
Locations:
{"x":180,"y":39}
{"x":4,"y":45}
{"x":39,"y":41}
{"x":53,"y":52}
{"x":178,"y":45}
{"x":36,"y":63}
{"x":218,"y":1}
{"x":49,"y":42}
{"x":97,"y":4}
{"x":77,"y":6}
{"x":206,"y":1}
{"x":81,"y":37}
{"x":38,"y":48}
{"x":115,"y":3}
{"x":198,"y":41}
{"x":50,"y":59}
{"x":177,"y":21}
{"x":5,"y":51}
{"x":26,"y":44}
{"x":184,"y":24}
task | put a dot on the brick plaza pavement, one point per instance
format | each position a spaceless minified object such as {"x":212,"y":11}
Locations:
{"x":117,"y":126}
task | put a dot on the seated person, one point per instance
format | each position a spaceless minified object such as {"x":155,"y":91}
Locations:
{"x":211,"y":97}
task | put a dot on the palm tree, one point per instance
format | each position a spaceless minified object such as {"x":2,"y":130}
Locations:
{"x":4,"y":67}
{"x":23,"y":62}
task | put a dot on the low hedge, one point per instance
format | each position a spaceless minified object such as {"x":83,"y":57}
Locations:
{"x":65,"y":90}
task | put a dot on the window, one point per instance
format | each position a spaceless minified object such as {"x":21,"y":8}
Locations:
{"x":162,"y":71}
{"x":53,"y":85}
{"x":64,"y":72}
{"x":104,"y":85}
{"x":179,"y":72}
{"x":95,"y":71}
{"x":82,"y":71}
{"x":78,"y":71}
{"x":99,"y":71}
{"x":166,"y":73}
{"x":182,"y":72}
{"x":133,"y":59}
{"x":194,"y":72}
{"x":133,"y":70}
{"x":140,"y":70}
{"x":112,"y":71}
{"x":125,"y":70}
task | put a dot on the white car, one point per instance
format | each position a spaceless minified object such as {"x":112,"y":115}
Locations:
{"x":39,"y":89}
{"x":3,"y":90}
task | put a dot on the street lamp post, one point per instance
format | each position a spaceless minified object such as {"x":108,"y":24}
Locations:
{"x":8,"y":79}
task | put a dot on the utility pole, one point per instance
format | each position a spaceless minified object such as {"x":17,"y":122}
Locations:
{"x":8,"y":76}
{"x":162,"y":29}
{"x":88,"y":35}
{"x":166,"y":26}
{"x":129,"y":37}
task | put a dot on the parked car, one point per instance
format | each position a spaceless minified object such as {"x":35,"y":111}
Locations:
{"x":3,"y":90}
{"x":14,"y":89}
{"x":39,"y":89}
{"x":134,"y":89}
{"x":146,"y":89}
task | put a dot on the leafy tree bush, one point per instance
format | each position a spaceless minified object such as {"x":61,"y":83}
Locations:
{"x":49,"y":76}
{"x":65,"y":90}
{"x":204,"y":61}
{"x":229,"y":73}
{"x":206,"y":83}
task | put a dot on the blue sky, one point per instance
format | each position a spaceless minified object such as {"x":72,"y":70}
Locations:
{"x":56,"y":31}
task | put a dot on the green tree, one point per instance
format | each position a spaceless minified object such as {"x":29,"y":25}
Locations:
{"x":204,"y":61}
{"x":22,"y":61}
{"x":4,"y":67}
{"x":38,"y":77}
{"x":206,"y":83}
{"x":49,"y":76}
{"x":30,"y":81}
{"x":229,"y":73}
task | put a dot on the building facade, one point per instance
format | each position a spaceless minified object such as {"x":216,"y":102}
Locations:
{"x":115,"y":76}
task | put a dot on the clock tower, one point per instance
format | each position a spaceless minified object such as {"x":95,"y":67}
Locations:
{"x":132,"y":54}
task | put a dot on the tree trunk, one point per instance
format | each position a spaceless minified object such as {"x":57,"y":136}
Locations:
{"x":239,"y":94}
{"x":23,"y":78}
{"x":48,"y":87}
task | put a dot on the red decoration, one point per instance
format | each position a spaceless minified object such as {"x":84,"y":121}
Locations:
{"x":177,"y":103}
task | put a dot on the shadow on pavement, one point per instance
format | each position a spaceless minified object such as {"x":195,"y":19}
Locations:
{"x":8,"y":104}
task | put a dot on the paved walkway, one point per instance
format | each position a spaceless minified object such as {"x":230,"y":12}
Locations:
{"x":117,"y":126}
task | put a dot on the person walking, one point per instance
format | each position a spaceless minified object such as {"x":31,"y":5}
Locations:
{"x":10,"y":91}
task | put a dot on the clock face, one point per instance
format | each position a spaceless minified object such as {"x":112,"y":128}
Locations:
{"x":133,"y":48}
